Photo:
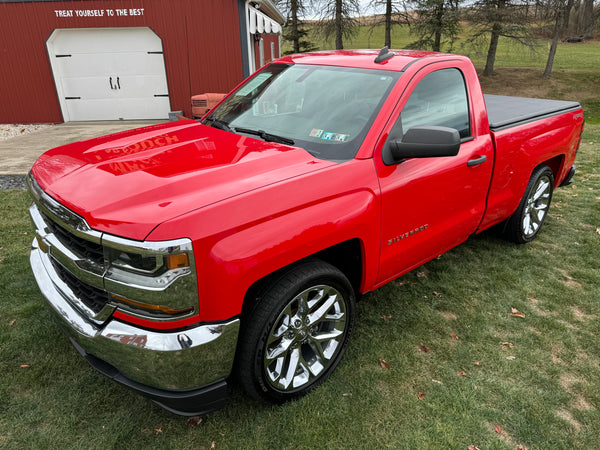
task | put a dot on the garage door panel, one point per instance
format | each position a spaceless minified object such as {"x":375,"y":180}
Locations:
{"x":141,"y":86}
{"x":113,"y":73}
{"x":129,"y":109}
{"x":90,"y":87}
{"x":108,"y":40}
{"x":136,"y":108}
{"x":90,"y":109}
{"x":130,"y":63}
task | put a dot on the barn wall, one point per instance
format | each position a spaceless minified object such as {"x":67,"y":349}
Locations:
{"x":201,"y":43}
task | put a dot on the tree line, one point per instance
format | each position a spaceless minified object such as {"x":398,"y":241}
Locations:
{"x":436,"y":24}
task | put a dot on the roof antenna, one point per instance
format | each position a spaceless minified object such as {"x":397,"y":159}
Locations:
{"x":384,"y":55}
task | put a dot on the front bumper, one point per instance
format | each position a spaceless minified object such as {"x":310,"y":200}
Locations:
{"x":183,"y":371}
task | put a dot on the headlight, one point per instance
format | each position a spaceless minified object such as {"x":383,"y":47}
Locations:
{"x":151,"y":279}
{"x":135,"y":263}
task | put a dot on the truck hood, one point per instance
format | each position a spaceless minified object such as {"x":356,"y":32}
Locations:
{"x":128,"y":183}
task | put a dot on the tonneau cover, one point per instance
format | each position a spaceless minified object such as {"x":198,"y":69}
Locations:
{"x":504,"y":112}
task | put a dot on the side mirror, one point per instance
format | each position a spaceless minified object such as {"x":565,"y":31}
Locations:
{"x":424,"y":142}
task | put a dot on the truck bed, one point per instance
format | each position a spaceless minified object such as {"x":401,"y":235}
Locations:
{"x":506,"y":112}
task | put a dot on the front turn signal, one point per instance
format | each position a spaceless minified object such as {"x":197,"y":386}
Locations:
{"x":151,"y":308}
{"x":177,"y":261}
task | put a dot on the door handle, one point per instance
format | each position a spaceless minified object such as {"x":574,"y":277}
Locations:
{"x":477,"y":161}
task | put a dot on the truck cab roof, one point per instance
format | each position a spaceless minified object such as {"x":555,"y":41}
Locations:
{"x":363,"y":59}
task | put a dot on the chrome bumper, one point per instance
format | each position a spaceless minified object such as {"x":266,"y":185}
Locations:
{"x":179,"y":360}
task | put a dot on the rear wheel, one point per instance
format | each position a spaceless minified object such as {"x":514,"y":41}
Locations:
{"x":297,"y":333}
{"x":525,"y":224}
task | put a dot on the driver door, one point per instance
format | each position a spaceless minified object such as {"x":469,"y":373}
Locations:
{"x":431,"y":204}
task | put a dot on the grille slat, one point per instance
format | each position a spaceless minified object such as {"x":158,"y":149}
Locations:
{"x":79,"y":246}
{"x":92,"y":297}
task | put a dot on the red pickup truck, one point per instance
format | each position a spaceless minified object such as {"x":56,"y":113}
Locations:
{"x":179,"y":256}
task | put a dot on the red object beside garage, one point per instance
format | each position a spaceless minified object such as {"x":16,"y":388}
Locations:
{"x":119,"y":60}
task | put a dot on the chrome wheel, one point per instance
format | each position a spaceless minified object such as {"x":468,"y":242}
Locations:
{"x":305,"y":338}
{"x":295,"y":333}
{"x":526,"y":222}
{"x":536,"y":206}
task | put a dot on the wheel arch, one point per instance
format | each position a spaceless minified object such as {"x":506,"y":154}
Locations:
{"x":555,"y":164}
{"x":347,"y":256}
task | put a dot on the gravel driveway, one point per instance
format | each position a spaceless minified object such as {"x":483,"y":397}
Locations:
{"x":7,"y":131}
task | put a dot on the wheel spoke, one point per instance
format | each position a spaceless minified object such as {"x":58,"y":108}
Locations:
{"x":294,"y":359}
{"x":541,"y":189}
{"x":527,"y":224}
{"x":326,"y":336}
{"x":318,"y":315}
{"x":285,"y":325}
{"x":316,"y":347}
{"x":318,"y":363}
{"x":313,"y":297}
{"x":280,"y":349}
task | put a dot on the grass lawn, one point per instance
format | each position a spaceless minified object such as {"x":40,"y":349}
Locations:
{"x":503,"y":381}
{"x":464,"y":370}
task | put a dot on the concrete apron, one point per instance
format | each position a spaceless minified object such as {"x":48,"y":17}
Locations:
{"x":18,"y":154}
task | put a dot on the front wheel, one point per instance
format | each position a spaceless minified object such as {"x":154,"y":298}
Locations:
{"x":525,"y":224}
{"x":297,"y":333}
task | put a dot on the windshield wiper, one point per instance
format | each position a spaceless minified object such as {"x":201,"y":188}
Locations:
{"x":219,"y":124}
{"x":268,"y":137}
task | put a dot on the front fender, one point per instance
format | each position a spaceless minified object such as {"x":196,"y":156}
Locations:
{"x":241,"y":240}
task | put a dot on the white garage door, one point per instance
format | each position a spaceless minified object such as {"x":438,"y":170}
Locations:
{"x":109,"y":73}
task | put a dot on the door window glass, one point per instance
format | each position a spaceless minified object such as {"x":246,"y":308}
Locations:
{"x":439,"y":99}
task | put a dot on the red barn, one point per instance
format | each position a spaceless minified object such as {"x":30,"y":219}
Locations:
{"x":76,"y":60}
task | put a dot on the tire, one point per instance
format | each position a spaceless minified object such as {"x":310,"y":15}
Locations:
{"x":525,"y":224}
{"x":297,"y":333}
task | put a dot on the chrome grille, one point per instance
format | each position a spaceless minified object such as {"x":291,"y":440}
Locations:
{"x":92,"y":297}
{"x":82,"y":247}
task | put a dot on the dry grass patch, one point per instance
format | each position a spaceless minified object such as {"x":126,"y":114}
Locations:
{"x":580,"y":315}
{"x":535,"y":307}
{"x":529,"y":83}
{"x":569,"y":282}
{"x":568,"y":417}
{"x":448,"y":315}
{"x":503,"y":435}
{"x":556,"y":352}
{"x":582,"y":404}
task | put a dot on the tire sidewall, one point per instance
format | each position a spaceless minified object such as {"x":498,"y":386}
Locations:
{"x":516,"y":222}
{"x":272,"y":304}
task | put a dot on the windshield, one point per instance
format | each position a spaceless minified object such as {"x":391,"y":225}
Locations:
{"x":325,"y":110}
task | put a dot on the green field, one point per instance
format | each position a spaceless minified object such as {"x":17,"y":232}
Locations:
{"x":464,"y":369}
{"x":576,"y":74}
{"x":584,"y":56}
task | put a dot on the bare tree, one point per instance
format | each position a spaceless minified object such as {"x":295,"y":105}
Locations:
{"x":436,"y":23}
{"x":395,"y":13}
{"x":562,"y":10}
{"x":294,"y":30}
{"x":500,"y":18}
{"x":338,"y":18}
{"x":589,"y":19}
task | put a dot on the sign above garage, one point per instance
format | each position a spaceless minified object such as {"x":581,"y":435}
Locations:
{"x":127,"y":12}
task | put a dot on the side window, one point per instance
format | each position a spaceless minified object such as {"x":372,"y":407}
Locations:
{"x":439,"y":99}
